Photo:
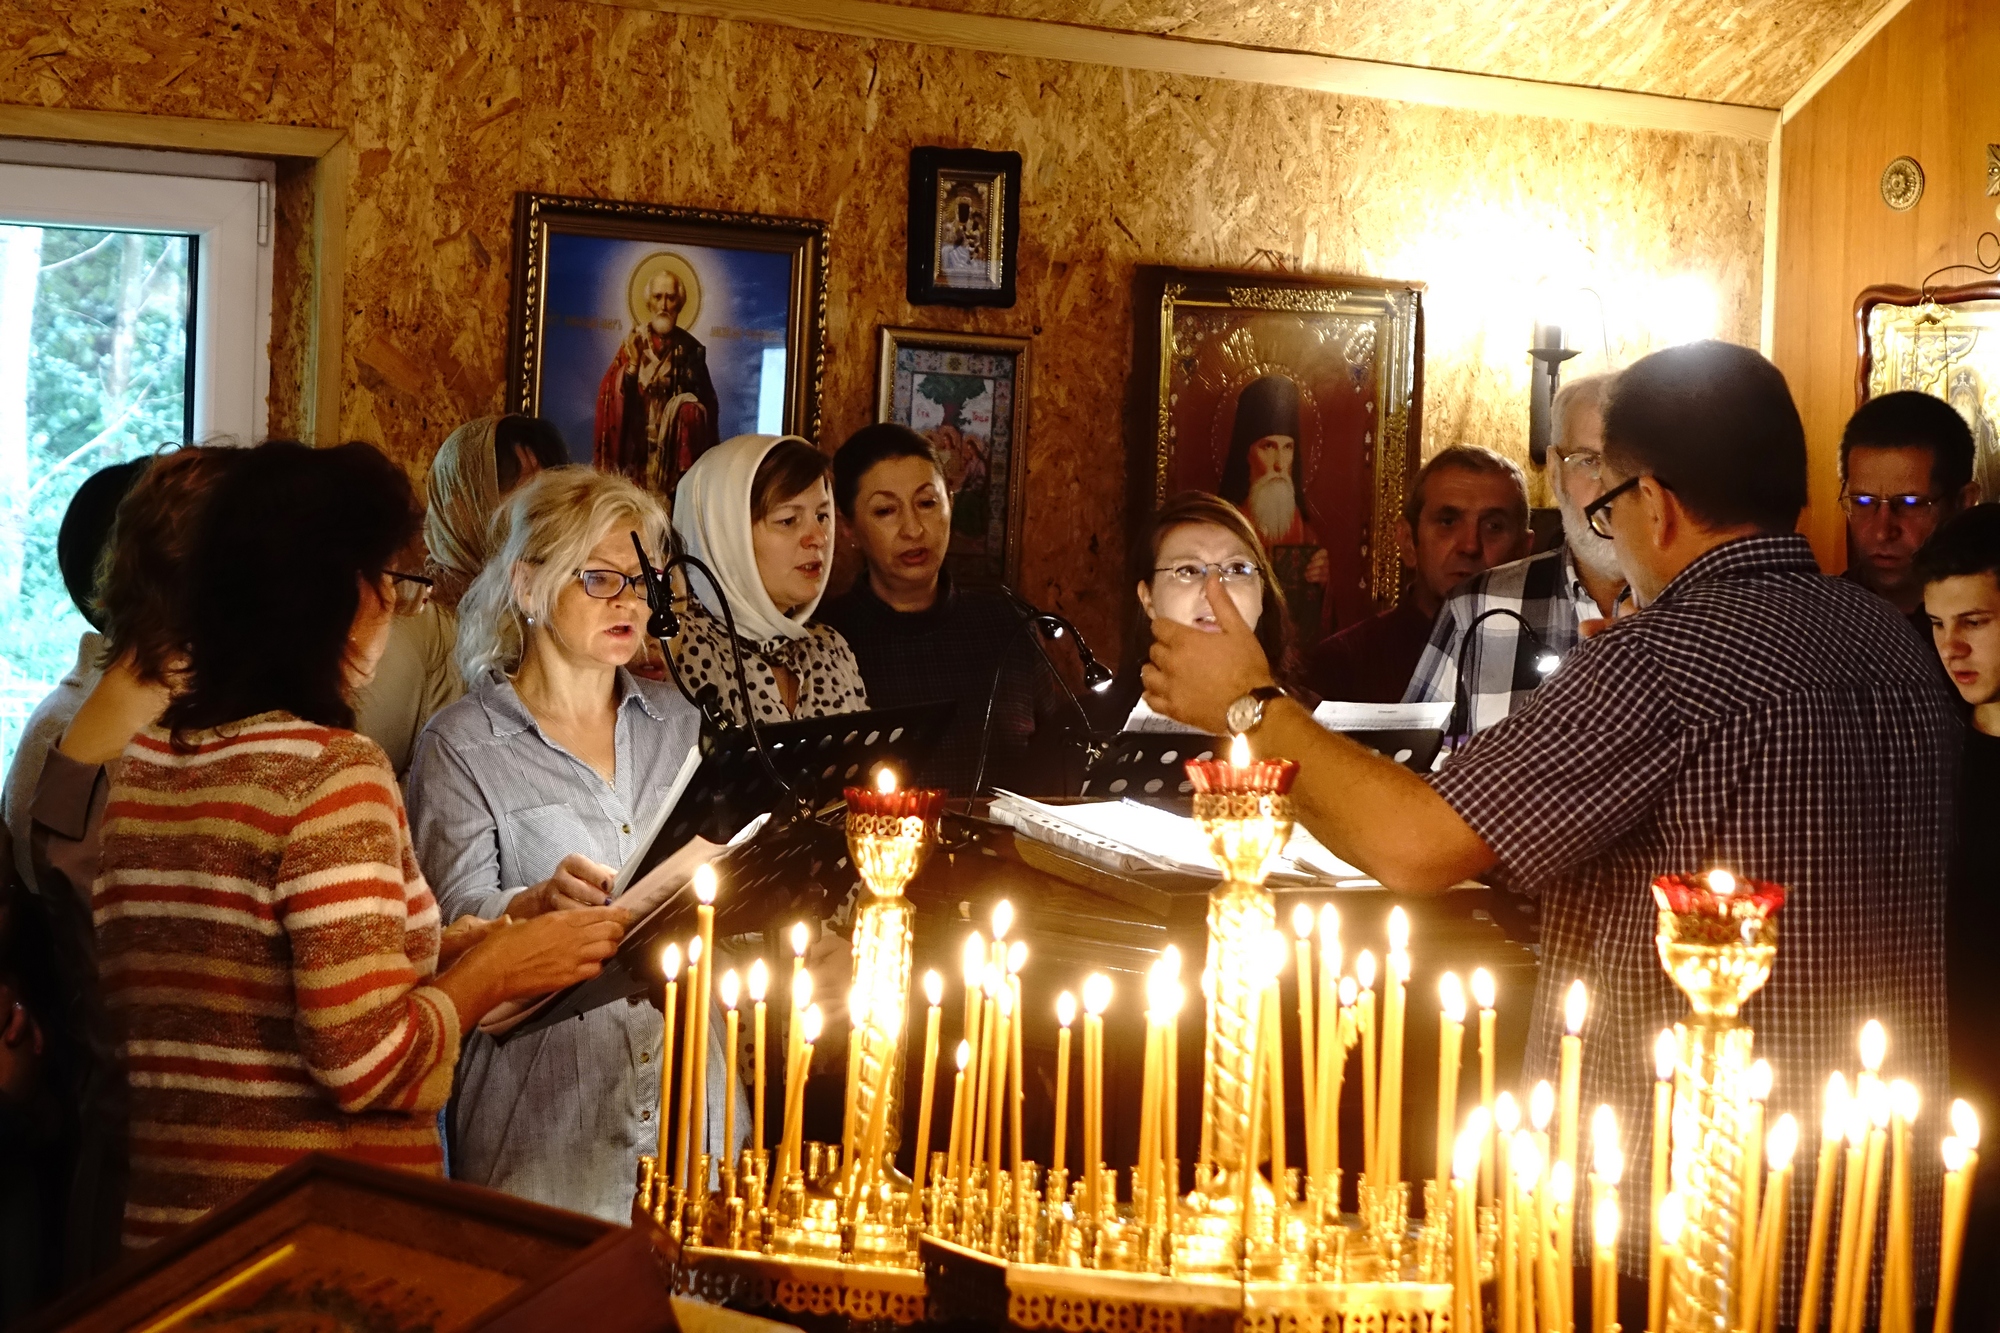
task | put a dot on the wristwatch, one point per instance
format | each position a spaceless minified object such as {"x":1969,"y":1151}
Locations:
{"x":1244,"y":715}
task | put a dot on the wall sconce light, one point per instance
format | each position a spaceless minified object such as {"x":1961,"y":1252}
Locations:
{"x":1549,"y":354}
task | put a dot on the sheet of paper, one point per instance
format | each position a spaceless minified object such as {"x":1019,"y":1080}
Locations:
{"x":659,"y":821}
{"x":1336,"y":715}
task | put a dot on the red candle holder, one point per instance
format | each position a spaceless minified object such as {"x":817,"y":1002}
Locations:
{"x":1704,"y":913}
{"x":1259,"y":777}
{"x":925,"y":803}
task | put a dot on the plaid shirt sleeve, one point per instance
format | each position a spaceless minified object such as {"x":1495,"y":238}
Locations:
{"x":1436,"y":677}
{"x":1559,"y":781}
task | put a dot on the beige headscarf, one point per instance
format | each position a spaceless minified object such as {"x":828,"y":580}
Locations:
{"x":463,"y":492}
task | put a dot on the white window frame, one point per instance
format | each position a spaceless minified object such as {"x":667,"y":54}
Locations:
{"x":230,"y":219}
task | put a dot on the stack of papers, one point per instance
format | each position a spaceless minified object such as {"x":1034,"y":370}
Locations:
{"x":1126,"y":835}
{"x":1335,"y":715}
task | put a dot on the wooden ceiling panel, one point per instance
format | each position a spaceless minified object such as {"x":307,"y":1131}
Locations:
{"x":1756,"y":52}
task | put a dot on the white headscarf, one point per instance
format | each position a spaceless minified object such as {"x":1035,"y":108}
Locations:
{"x":712,"y":519}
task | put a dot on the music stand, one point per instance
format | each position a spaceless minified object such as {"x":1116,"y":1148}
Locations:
{"x":1149,"y":766}
{"x":780,"y":870}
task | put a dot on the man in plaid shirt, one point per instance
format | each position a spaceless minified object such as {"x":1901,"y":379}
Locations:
{"x":1754,"y":715}
{"x":1481,"y":623}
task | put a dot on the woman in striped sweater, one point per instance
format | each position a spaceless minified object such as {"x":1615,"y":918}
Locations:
{"x":269,"y":950}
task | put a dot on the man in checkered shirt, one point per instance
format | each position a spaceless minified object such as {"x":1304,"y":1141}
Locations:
{"x":1754,"y":715}
{"x":1481,"y":626}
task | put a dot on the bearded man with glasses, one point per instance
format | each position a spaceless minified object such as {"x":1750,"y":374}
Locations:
{"x":1906,"y":464}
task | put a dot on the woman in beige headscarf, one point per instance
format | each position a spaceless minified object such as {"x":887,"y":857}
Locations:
{"x":476,"y":467}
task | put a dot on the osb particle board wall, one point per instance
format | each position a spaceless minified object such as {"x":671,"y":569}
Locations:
{"x":453,"y":105}
{"x":1928,"y":86}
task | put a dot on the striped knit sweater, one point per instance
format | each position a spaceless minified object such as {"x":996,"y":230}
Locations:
{"x":265,"y":937}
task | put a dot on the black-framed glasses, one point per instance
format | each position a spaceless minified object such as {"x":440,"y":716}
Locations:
{"x":1598,"y":512}
{"x":1187,"y":573}
{"x":606,"y":584}
{"x":1863,"y":505}
{"x":413,"y":591}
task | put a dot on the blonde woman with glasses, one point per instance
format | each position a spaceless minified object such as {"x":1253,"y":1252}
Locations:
{"x":526,"y":795}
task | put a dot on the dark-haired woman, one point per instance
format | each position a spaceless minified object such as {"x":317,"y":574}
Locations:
{"x":757,"y":510}
{"x":917,"y":635}
{"x":477,"y":466}
{"x":1191,"y":535}
{"x":269,"y":951}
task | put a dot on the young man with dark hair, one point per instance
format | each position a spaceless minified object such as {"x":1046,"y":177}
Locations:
{"x":1467,"y":511}
{"x":1958,"y":573}
{"x":1753,"y":715}
{"x":1905,"y":469}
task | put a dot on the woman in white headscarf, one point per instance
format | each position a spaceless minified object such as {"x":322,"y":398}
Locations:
{"x":758,"y":510}
{"x":477,"y":466}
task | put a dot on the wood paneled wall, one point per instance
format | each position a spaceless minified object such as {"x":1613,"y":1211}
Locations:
{"x":452,"y":105}
{"x":1927,"y":86}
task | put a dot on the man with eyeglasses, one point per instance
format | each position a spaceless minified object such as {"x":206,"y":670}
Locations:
{"x":1509,"y":627}
{"x":1755,"y":715}
{"x":1467,"y":511}
{"x":1906,"y":464}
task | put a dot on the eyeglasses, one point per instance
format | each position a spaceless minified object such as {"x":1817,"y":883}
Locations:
{"x":1598,"y":512}
{"x":606,"y":584}
{"x":1188,"y":573}
{"x":1881,"y":506}
{"x":412,"y":591}
{"x":1587,"y":462}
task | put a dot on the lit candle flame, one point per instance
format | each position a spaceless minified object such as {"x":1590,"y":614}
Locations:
{"x":1017,"y":958}
{"x":1876,"y":1094}
{"x":1096,"y":993}
{"x":934,"y":988}
{"x":670,"y":961}
{"x":1833,"y":1115}
{"x":1722,"y":882}
{"x":1541,"y":1105}
{"x":1956,"y":1154}
{"x":1003,"y":919}
{"x":1904,"y":1101}
{"x":1239,"y":751}
{"x":1171,"y":957}
{"x":1575,"y":1005}
{"x":1399,"y":930}
{"x":1274,"y":952}
{"x":1607,"y":1222}
{"x":1065,"y":1008}
{"x":1329,"y":923}
{"x":1465,"y":1154}
{"x":1965,"y":1123}
{"x":1527,"y":1159}
{"x":1452,"y":993}
{"x":1857,"y":1121}
{"x":974,"y":958}
{"x":814,"y":1024}
{"x":694,"y":951}
{"x":1006,"y":997}
{"x":1302,"y":921}
{"x":704,"y":883}
{"x":1562,"y":1183}
{"x":732,"y":988}
{"x":889,"y":1020}
{"x":1759,"y":1082}
{"x":1364,"y":970}
{"x":1666,"y":1053}
{"x":885,"y":780}
{"x":760,"y":981}
{"x":1782,"y":1142}
{"x":1483,"y":991}
{"x":800,"y":938}
{"x":990,"y":979}
{"x":964,"y":1055}
{"x":1176,"y":997}
{"x":1349,"y":992}
{"x":1673,"y":1216}
{"x":802,"y":990}
{"x":1608,"y":1162}
{"x":1506,"y":1113}
{"x":1874,"y":1045}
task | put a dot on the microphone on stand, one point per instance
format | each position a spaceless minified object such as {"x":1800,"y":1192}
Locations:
{"x":1096,"y":677}
{"x":1461,"y":712}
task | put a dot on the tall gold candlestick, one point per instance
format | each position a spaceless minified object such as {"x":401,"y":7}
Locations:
{"x":801,"y":985}
{"x":1451,"y":1048}
{"x":670,"y":968}
{"x":1389,"y":1122}
{"x":1464,"y":1250}
{"x":973,"y":965}
{"x":1260,"y":1029}
{"x":1331,"y":1021}
{"x":1568,"y":1091}
{"x":1274,"y":1075}
{"x":1961,"y":1159}
{"x":1529,"y":1172}
{"x":1364,"y":976}
{"x":1833,"y":1129}
{"x":1871,"y":1200}
{"x":934,"y":992}
{"x":1334,"y":1078}
{"x":1850,"y":1215}
{"x":795,"y":1099}
{"x":955,"y":1162}
{"x":1065,"y":1015}
{"x":868,"y":1164}
{"x":732,"y":989}
{"x":996,"y":1106}
{"x":1017,"y":957}
{"x":1604,"y":1264}
{"x":1149,"y":1091}
{"x":1096,"y":998}
{"x":1176,"y":995}
{"x":1506,"y":1123}
{"x":703,"y":996}
{"x":1557,"y":1201}
{"x":1483,"y":994}
{"x":760,"y":980}
{"x":1760,"y":1281}
{"x":982,"y":1052}
{"x":860,"y":998}
{"x":687,"y":1130}
{"x":1757,"y":1087}
{"x":1607,"y":1170}
{"x":1302,"y":928}
{"x":1897,"y":1295}
{"x":1670,"y":1222}
{"x":1666,"y":1053}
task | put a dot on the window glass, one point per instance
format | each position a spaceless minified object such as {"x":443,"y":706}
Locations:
{"x":95,"y":356}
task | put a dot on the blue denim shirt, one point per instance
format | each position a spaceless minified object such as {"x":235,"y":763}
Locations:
{"x":559,"y":1116}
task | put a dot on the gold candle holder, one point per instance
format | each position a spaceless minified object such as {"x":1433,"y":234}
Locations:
{"x":1243,"y":808}
{"x":1717,"y":940}
{"x":889,"y":835}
